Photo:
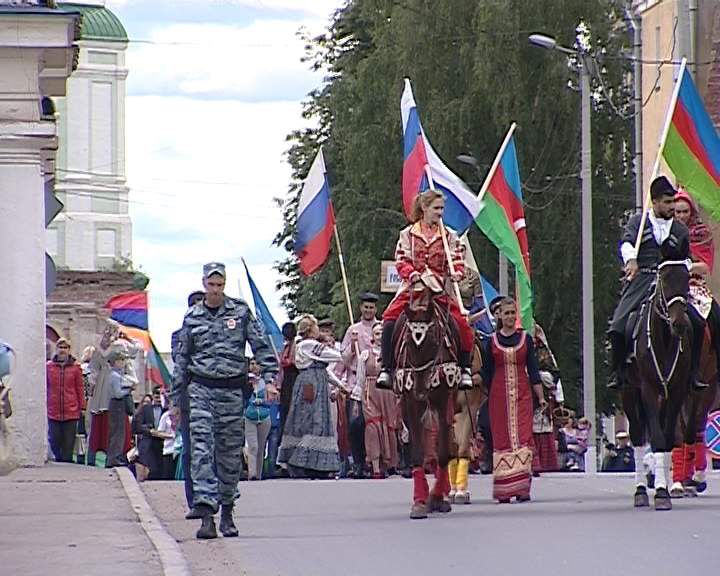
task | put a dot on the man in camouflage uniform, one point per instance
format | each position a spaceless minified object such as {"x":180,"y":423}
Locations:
{"x":210,"y":366}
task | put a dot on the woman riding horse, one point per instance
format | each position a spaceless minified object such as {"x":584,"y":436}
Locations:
{"x":420,"y":260}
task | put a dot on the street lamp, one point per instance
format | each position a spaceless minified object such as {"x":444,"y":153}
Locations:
{"x":588,"y":321}
{"x":470,"y":160}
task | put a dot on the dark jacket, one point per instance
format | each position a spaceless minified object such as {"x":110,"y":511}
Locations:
{"x":65,"y":390}
{"x":144,"y":420}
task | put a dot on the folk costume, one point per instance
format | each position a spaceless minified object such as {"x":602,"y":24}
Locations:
{"x":546,"y":454}
{"x":510,"y":369}
{"x":656,"y":233}
{"x":690,"y":460}
{"x":420,"y":256}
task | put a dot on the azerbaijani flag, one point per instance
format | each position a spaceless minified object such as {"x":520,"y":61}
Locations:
{"x":315,"y":219}
{"x":461,"y":204}
{"x":692,"y":147}
{"x":502,"y":220}
{"x":130,"y":308}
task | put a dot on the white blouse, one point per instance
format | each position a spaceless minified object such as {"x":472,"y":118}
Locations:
{"x":309,"y":350}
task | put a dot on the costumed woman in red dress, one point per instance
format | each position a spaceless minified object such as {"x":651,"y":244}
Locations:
{"x":510,"y":372}
{"x":420,"y":258}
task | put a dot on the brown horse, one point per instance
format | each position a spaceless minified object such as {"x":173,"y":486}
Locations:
{"x":426,"y":346}
{"x":658,"y":379}
{"x":690,"y":460}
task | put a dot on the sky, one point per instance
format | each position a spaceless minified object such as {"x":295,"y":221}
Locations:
{"x":210,"y":100}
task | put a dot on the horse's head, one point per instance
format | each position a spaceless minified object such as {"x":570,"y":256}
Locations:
{"x":671,"y":296}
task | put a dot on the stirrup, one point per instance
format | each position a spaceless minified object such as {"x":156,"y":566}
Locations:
{"x":698,"y":385}
{"x":465,"y":379}
{"x":384,"y":380}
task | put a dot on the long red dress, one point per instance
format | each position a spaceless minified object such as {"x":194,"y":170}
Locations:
{"x":510,"y":367}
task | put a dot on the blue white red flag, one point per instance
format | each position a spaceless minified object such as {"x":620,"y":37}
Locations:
{"x":461,"y":204}
{"x":315,"y":220}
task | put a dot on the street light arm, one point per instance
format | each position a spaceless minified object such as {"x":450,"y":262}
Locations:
{"x":549,"y":43}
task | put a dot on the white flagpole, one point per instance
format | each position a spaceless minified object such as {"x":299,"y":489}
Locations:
{"x":496,"y":162}
{"x":663,"y":138}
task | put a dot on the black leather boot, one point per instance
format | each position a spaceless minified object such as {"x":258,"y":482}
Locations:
{"x":227,"y":526}
{"x":617,"y":359}
{"x":384,"y":380}
{"x":207,"y":530}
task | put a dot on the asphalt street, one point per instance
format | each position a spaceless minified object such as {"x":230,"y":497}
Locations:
{"x":574,"y":525}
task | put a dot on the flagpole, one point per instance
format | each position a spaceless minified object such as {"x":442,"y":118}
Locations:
{"x":656,"y":166}
{"x":446,"y":247}
{"x":343,"y":274}
{"x":496,"y":162}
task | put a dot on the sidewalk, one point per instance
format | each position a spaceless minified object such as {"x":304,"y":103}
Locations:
{"x":71,"y":519}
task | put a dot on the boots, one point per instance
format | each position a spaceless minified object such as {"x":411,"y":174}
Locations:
{"x":207,"y":530}
{"x":384,"y":380}
{"x":227,"y":526}
{"x":617,"y":359}
{"x":464,"y":360}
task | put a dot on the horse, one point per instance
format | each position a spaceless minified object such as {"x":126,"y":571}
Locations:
{"x":467,"y":405}
{"x":658,"y":377}
{"x":426,"y":344}
{"x":690,"y":460}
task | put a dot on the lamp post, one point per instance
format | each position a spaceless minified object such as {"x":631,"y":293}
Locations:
{"x":470,"y":160}
{"x":588,"y":301}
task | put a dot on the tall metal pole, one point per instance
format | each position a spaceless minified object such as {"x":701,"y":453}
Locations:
{"x":636,"y":24}
{"x":588,"y":322}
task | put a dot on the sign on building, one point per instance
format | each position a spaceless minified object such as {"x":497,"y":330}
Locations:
{"x":389,"y":277}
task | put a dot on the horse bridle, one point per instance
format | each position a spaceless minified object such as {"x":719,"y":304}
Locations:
{"x":662,"y":308}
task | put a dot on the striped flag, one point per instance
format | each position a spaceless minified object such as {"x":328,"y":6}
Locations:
{"x":692,"y":147}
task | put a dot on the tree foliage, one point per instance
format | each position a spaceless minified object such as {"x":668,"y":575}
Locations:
{"x":473,"y":73}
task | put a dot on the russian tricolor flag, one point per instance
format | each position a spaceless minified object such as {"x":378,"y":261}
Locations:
{"x":461,"y":204}
{"x":315,"y":220}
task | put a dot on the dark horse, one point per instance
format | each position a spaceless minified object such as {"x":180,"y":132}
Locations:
{"x":659,"y":376}
{"x":426,"y":347}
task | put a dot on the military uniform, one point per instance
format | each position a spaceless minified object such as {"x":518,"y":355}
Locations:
{"x":210,"y":366}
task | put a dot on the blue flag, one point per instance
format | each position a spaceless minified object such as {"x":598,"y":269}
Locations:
{"x":263,"y":315}
{"x":485,"y":323}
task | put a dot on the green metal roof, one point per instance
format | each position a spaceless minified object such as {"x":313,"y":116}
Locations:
{"x":98,"y":23}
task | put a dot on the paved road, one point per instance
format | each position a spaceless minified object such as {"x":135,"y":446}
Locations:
{"x":73,"y":521}
{"x":574,"y":525}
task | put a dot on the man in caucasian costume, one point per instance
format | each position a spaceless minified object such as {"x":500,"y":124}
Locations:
{"x":690,"y":461}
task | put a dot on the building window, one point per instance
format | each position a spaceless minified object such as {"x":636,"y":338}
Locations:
{"x":106,"y":243}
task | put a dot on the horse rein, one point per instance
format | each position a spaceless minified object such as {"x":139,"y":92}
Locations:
{"x":662,"y":309}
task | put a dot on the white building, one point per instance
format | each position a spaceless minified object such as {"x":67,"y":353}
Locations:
{"x":93,"y":232}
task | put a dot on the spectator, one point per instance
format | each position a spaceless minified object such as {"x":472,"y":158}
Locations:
{"x":65,"y":400}
{"x":288,"y":371}
{"x":273,"y":441}
{"x":257,"y":423}
{"x":620,"y":456}
{"x":120,"y":390}
{"x":166,"y":431}
{"x":150,"y":447}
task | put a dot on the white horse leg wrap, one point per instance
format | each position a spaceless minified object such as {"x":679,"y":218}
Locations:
{"x":662,"y":469}
{"x":640,"y":472}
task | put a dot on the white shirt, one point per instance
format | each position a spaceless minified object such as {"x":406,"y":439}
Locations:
{"x":660,"y":230}
{"x":165,"y":425}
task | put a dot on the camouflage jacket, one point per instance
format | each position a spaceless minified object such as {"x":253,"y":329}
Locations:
{"x":214,"y":346}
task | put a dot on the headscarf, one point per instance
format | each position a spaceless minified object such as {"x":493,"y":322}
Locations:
{"x":701,"y":240}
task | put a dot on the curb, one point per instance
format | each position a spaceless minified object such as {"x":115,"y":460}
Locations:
{"x":171,"y":557}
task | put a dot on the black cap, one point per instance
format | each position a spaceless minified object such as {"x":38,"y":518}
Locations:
{"x":369,"y":297}
{"x":194,"y":296}
{"x":660,"y":187}
{"x":494,"y":303}
{"x":326,"y":323}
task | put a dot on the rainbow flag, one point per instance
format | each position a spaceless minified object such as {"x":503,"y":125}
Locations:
{"x":502,"y":220}
{"x":692,"y":147}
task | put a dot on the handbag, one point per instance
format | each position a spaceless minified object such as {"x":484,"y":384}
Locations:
{"x":308,"y":392}
{"x":129,"y":404}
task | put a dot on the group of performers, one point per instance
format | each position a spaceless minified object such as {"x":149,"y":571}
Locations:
{"x":510,"y":371}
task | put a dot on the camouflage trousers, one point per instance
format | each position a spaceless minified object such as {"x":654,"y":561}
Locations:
{"x":217,"y":437}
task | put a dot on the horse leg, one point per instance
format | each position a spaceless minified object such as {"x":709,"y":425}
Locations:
{"x":438,"y":497}
{"x":463,"y":435}
{"x":411,"y":415}
{"x":632,"y":403}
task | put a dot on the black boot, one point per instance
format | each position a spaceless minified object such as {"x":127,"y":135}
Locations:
{"x":207,"y":530}
{"x":194,"y":514}
{"x":617,"y":360}
{"x":384,"y":380}
{"x":227,"y":526}
{"x":464,"y":360}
